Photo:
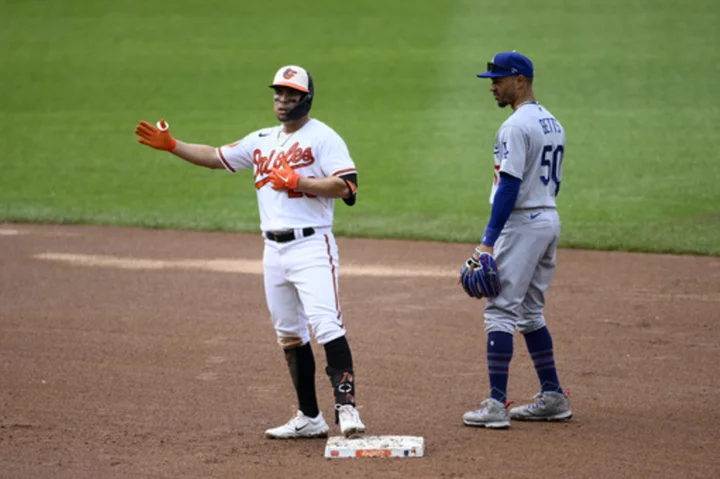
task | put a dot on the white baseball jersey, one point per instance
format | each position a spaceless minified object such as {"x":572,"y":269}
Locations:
{"x":530,"y":145}
{"x":313,"y":151}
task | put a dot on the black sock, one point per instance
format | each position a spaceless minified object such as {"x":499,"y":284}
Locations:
{"x":340,"y":370}
{"x":301,"y":363}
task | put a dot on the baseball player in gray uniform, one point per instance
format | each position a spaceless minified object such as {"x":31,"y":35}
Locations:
{"x":300,"y":167}
{"x":522,"y":235}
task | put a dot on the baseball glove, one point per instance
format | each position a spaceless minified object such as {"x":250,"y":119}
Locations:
{"x":479,"y":276}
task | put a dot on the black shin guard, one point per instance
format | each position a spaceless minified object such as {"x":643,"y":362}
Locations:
{"x":340,"y":370}
{"x":301,"y":363}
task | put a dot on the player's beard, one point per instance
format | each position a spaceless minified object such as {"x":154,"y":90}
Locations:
{"x":505,"y":100}
{"x":281,"y":115}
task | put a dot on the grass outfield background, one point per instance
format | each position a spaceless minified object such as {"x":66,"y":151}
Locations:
{"x":632,"y":81}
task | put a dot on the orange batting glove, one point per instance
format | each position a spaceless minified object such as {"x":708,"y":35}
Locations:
{"x":156,"y":137}
{"x":284,"y":178}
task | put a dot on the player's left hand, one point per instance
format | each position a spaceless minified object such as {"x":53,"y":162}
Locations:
{"x":479,"y":275}
{"x":284,"y":178}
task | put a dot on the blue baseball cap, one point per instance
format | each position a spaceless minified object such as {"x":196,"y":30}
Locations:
{"x":507,"y":64}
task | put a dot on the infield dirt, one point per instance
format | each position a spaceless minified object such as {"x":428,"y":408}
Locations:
{"x":130,"y":353}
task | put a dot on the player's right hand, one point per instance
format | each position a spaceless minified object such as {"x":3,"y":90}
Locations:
{"x":284,"y":178}
{"x":156,"y":137}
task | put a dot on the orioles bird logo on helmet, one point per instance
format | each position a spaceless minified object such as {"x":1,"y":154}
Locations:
{"x":289,"y":73}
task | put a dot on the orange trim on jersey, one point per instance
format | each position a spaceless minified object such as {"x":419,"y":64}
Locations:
{"x":224,"y":161}
{"x":337,"y":300}
{"x":342,"y":172}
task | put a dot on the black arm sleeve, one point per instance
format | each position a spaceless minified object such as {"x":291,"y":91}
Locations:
{"x":351,"y":182}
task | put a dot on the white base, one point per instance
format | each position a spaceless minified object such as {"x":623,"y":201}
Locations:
{"x":375,"y":446}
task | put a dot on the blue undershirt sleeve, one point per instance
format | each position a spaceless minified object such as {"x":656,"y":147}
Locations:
{"x":503,"y":204}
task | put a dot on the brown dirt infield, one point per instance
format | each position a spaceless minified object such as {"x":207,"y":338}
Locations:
{"x":165,"y":368}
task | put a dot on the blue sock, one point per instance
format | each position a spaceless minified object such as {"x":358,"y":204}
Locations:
{"x":540,"y":346}
{"x":499,"y":354}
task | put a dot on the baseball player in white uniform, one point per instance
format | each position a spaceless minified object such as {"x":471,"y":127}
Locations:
{"x":301,"y":166}
{"x":522,"y":235}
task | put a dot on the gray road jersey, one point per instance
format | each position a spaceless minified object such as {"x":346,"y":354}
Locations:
{"x":530,"y":145}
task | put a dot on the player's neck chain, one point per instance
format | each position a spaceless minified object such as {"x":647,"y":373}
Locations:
{"x":286,"y":136}
{"x":281,"y":141}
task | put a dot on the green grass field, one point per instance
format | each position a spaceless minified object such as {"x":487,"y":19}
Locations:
{"x":632,"y":81}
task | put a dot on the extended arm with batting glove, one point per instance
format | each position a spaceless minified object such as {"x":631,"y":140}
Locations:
{"x":157,"y":137}
{"x":479,"y":276}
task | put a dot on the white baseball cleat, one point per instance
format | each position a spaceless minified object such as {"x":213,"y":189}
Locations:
{"x":300,"y":427}
{"x":546,"y":406}
{"x":493,"y":415}
{"x":350,"y":423}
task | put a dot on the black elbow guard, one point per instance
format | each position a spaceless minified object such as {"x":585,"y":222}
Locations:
{"x":351,"y":182}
